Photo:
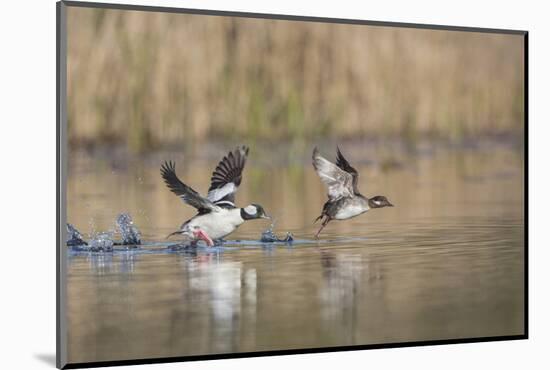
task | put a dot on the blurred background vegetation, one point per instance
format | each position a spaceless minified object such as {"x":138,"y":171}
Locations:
{"x":146,"y":81}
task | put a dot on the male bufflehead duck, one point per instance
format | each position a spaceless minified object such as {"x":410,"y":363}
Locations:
{"x":217,"y":215}
{"x":344,"y":199}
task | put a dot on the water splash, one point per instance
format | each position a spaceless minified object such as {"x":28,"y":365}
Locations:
{"x":74,"y":237}
{"x":92,"y":227}
{"x":130,"y":234}
{"x":268,"y":236}
{"x":131,"y":237}
{"x":102,"y":242}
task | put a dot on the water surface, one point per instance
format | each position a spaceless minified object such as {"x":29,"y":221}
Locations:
{"x":447,"y":262}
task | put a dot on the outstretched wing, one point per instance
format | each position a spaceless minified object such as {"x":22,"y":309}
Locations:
{"x":226,"y":178}
{"x":338,"y":181}
{"x":343,"y":164}
{"x":186,"y":193}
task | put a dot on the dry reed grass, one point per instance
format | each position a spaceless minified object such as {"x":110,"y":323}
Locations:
{"x":151,"y":79}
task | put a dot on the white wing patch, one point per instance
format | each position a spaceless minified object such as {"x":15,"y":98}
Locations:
{"x":339,"y":182}
{"x":217,"y":194}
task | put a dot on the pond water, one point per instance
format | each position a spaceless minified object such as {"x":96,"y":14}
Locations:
{"x":446,"y":262}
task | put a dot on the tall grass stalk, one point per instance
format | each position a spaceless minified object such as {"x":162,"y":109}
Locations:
{"x":145,"y":80}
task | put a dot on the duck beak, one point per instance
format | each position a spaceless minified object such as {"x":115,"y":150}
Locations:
{"x":266,"y":216}
{"x":200,"y":234}
{"x":390,"y":205}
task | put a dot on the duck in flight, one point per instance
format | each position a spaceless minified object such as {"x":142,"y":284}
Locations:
{"x":217,"y":214}
{"x":344,"y":199}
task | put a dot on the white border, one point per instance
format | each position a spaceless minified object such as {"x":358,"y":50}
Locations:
{"x":28,"y":182}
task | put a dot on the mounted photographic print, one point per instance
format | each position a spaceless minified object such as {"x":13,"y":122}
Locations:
{"x":235,"y":184}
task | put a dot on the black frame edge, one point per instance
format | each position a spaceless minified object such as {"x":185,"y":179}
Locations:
{"x":61,"y":38}
{"x":58,"y":363}
{"x":222,"y":356}
{"x":526,"y":181}
{"x":287,"y":17}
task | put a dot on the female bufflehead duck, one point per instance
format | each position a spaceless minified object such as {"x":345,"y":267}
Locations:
{"x":217,"y":215}
{"x":344,"y":199}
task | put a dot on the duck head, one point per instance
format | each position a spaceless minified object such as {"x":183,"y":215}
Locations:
{"x":254,"y":212}
{"x":379,"y":201}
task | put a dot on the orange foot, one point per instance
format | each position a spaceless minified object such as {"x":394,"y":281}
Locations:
{"x":202,"y":235}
